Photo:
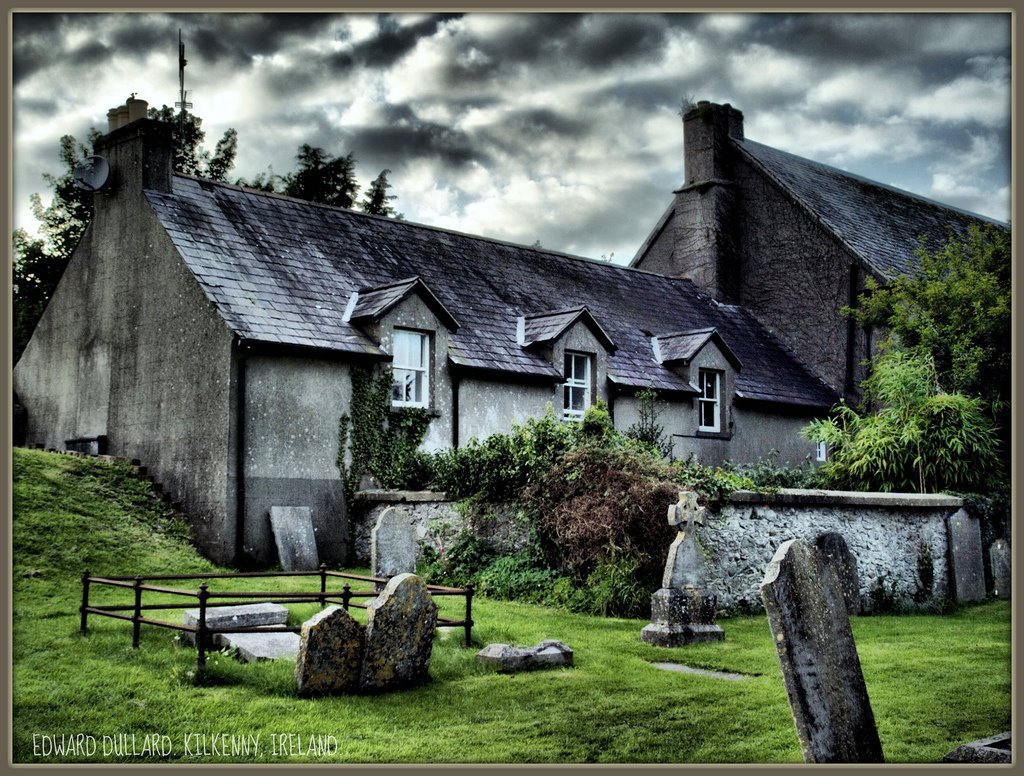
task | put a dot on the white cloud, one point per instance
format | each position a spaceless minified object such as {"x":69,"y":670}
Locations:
{"x":968,"y":98}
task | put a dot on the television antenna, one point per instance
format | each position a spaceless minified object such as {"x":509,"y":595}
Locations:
{"x":183,"y":104}
{"x":91,"y":173}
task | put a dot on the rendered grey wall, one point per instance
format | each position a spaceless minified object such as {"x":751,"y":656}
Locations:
{"x":131,"y":347}
{"x":293,"y":407}
{"x":489,"y":407}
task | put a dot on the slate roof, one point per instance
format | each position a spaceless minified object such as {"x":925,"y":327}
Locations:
{"x":880,"y":224}
{"x":549,"y":326}
{"x":282,"y":271}
{"x":683,"y":346}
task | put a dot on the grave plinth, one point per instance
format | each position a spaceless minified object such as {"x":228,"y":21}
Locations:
{"x":683,"y":610}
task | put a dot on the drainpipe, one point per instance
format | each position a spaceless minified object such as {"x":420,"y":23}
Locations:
{"x":455,"y":410}
{"x":242,"y":357}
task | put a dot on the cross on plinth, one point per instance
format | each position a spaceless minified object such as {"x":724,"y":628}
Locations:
{"x":686,"y":511}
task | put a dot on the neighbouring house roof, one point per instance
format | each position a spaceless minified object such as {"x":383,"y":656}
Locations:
{"x":683,"y":346}
{"x":282,"y":271}
{"x":548,"y":327}
{"x":880,"y":224}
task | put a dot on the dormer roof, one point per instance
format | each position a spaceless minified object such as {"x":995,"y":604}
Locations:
{"x":546,"y":327}
{"x":372,"y":304}
{"x":683,"y":346}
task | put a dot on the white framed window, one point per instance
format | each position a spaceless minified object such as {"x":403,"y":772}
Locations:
{"x":709,"y":405}
{"x":410,"y":367}
{"x":576,"y":391}
{"x":821,"y":451}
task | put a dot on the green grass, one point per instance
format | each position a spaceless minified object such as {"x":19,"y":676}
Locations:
{"x":935,"y":681}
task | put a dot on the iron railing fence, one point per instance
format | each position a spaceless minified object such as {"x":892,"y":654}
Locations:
{"x":207,"y":599}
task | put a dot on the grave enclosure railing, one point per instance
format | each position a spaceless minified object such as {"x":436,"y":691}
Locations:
{"x":207,"y":599}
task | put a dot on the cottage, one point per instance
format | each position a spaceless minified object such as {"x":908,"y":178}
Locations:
{"x":211,"y":331}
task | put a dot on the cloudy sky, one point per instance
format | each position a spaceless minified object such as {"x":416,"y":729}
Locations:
{"x":524,"y":127}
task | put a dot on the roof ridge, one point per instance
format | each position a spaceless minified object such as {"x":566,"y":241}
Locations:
{"x":419,"y":225}
{"x":871,"y":182}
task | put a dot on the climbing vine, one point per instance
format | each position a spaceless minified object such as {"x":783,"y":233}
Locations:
{"x":380,"y":440}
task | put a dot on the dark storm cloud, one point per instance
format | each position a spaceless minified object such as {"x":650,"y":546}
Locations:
{"x":607,"y":41}
{"x":424,"y":140}
{"x":36,"y":36}
{"x":394,"y":40}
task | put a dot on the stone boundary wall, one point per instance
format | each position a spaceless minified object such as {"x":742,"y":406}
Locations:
{"x":884,"y":531}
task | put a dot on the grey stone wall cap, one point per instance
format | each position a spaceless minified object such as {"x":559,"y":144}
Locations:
{"x":398,"y":496}
{"x":846,"y":498}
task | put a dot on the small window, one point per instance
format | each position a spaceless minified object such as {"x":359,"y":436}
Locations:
{"x":821,"y":451}
{"x":576,"y":392}
{"x":709,"y":405}
{"x":411,"y":387}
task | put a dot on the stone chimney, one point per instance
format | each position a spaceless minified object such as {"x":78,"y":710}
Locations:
{"x":139,"y":151}
{"x":706,"y":132}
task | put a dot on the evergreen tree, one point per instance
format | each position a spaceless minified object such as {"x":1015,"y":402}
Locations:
{"x":187,"y":135}
{"x":322,"y":177}
{"x":376,"y":200}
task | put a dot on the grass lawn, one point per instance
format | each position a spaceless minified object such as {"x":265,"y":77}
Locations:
{"x":935,"y":682}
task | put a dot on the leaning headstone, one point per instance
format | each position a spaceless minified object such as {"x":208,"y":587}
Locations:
{"x":833,"y":546}
{"x":683,"y":611}
{"x":295,"y":538}
{"x":999,"y":556}
{"x":400,"y":626}
{"x":392,"y":544}
{"x":968,"y":567}
{"x":818,"y":657}
{"x":244,"y":616}
{"x":509,"y":659}
{"x":330,"y":653}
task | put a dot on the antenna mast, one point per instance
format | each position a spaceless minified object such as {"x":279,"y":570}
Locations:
{"x":182,"y":104}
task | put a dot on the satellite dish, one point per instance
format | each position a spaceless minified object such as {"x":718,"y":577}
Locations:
{"x":91,"y":173}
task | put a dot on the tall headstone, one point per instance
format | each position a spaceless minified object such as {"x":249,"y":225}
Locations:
{"x":400,"y":626}
{"x":295,"y":538}
{"x":818,"y":657}
{"x":1000,"y":558}
{"x":833,"y":546}
{"x":331,"y":646}
{"x":392,"y":544}
{"x":968,"y":566}
{"x":683,"y":611}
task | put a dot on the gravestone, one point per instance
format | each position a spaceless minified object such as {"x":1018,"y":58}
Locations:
{"x":392,"y":544}
{"x":244,"y":616}
{"x":682,"y":611}
{"x":250,"y":647}
{"x":295,"y":538}
{"x":400,"y":626}
{"x":967,"y":565}
{"x":1000,"y":558}
{"x":833,"y":546}
{"x":803,"y":598}
{"x":996,"y":749}
{"x":330,"y":653}
{"x":509,"y":659}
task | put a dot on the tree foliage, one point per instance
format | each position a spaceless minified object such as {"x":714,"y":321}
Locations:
{"x":190,"y":157}
{"x":918,"y":437}
{"x":956,"y":310}
{"x":376,"y":200}
{"x":321,"y":177}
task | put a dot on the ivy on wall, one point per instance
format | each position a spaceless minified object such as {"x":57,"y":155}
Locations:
{"x":381,"y":441}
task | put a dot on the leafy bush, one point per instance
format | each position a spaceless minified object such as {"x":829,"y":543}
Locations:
{"x":647,"y":429}
{"x":766,"y":474}
{"x":459,"y":563}
{"x":516,"y":578}
{"x":918,"y":438}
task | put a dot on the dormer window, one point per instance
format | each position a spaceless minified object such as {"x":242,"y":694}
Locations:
{"x":709,"y":405}
{"x":410,"y":367}
{"x":576,"y":391}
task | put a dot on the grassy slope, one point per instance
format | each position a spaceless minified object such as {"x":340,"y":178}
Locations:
{"x":935,"y":682}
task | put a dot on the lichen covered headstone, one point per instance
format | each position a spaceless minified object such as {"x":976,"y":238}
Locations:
{"x":330,"y":658}
{"x":399,"y":635}
{"x":507,"y":658}
{"x":295,"y":538}
{"x":833,"y":546}
{"x":999,"y":556}
{"x":968,"y":566}
{"x":392,"y":544}
{"x":818,"y":657}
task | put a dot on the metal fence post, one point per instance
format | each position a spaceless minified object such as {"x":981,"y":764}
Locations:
{"x":323,"y":584}
{"x":469,"y":614}
{"x":136,"y":625}
{"x":204,"y":594}
{"x":346,"y":595}
{"x":85,"y":600}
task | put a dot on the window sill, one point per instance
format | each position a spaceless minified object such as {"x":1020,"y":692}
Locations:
{"x":723,"y":435}
{"x":431,"y":412}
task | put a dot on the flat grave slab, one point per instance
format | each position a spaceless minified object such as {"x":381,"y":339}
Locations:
{"x":243,"y":616}
{"x":680,"y":668}
{"x":262,"y":646}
